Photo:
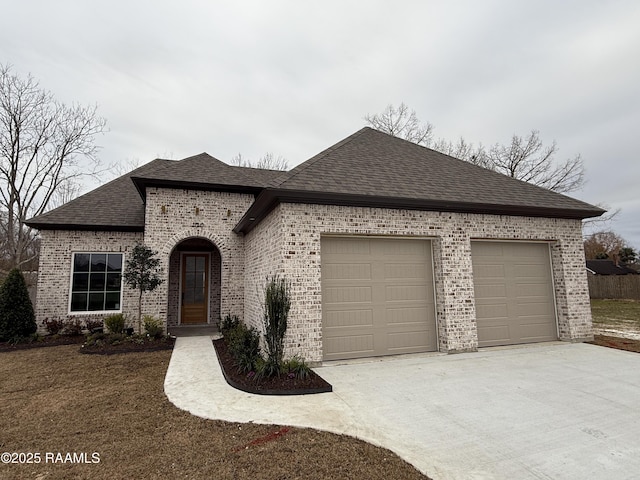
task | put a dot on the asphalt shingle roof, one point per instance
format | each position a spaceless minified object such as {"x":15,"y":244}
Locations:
{"x":373,"y":163}
{"x":608,"y":267}
{"x":368,"y":168}
{"x":116,"y":205}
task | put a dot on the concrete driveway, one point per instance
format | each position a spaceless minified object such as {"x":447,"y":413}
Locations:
{"x":547,"y":411}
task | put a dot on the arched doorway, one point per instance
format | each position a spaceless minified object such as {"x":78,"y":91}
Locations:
{"x":194,"y":283}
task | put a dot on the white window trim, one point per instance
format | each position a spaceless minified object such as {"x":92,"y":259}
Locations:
{"x":93,"y":312}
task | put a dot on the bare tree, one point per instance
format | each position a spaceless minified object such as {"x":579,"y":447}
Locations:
{"x":525,"y":158}
{"x":601,"y":223}
{"x":267,"y":162}
{"x":401,"y":122}
{"x":528,"y":159}
{"x":463,"y":150}
{"x":41,"y":144}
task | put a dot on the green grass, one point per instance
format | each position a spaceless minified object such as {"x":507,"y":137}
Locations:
{"x":616,"y":313}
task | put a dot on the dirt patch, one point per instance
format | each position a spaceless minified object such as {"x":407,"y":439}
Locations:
{"x":620,"y":343}
{"x":59,"y":401}
{"x":281,"y":385}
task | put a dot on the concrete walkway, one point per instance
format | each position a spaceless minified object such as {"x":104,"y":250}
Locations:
{"x":549,"y":411}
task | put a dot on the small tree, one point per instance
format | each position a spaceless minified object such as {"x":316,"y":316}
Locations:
{"x":142,"y":273}
{"x":276,"y":311}
{"x":16,"y":310}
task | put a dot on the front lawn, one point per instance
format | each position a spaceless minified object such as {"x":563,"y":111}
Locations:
{"x":55,"y":400}
{"x":616,"y":314}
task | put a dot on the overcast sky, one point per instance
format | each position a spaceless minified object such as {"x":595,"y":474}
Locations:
{"x":174,"y":79}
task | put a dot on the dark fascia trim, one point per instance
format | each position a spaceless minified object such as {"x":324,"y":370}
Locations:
{"x":142,"y":183}
{"x":270,"y":197}
{"x":96,"y":228}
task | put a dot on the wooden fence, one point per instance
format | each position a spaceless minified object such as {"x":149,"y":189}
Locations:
{"x":614,"y":286}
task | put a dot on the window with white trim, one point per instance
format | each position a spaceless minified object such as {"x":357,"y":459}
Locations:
{"x":96,"y":282}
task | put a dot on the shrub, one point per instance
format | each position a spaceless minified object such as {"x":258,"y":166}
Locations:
{"x":276,"y":311}
{"x":244,"y":346}
{"x":153,"y":326}
{"x":228,"y":323}
{"x":297,"y":367}
{"x":54,"y":325}
{"x":93,"y":324}
{"x":95,"y":339}
{"x":115,"y":323}
{"x":16,"y":310}
{"x":72,"y":327}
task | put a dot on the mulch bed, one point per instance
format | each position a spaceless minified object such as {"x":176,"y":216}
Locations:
{"x":48,"y":341}
{"x":617,"y":342}
{"x":149,"y":345}
{"x":280,"y":385}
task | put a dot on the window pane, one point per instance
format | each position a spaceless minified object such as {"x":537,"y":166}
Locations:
{"x":200,"y":263}
{"x":96,"y":301}
{"x":96,"y":281}
{"x":98,"y":262}
{"x":198,"y":296}
{"x":199,"y":281}
{"x":79,"y":302}
{"x":191,"y":262}
{"x":189,"y":280}
{"x":81,"y":262}
{"x":114,"y":262}
{"x":112,"y":301}
{"x":80,"y":282}
{"x":113,"y":281}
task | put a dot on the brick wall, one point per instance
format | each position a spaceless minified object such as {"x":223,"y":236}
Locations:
{"x":175,"y":215}
{"x":299,"y":248}
{"x":264,"y":257}
{"x":54,"y":277}
{"x":287,"y":242}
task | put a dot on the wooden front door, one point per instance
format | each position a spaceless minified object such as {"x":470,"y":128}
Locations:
{"x":195,"y":288}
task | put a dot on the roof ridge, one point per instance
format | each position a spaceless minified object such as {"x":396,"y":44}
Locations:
{"x":313,"y":160}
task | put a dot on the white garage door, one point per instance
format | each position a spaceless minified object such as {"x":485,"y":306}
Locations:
{"x":377,"y":297}
{"x":513,"y":293}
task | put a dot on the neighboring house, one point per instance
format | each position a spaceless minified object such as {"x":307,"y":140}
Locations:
{"x":608,"y":267}
{"x":390,"y":248}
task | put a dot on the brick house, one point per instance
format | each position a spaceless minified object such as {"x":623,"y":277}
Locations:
{"x":390,"y":248}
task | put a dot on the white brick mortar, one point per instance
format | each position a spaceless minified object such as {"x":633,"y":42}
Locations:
{"x":295,"y":253}
{"x":174,"y":215}
{"x":54,"y":277}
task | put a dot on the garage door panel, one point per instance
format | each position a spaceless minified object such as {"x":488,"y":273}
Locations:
{"x":488,"y":291}
{"x":404,"y":341}
{"x":526,"y":271}
{"x":398,"y":293}
{"x":496,"y":334}
{"x":524,"y":311}
{"x":488,"y":271}
{"x":400,"y":271}
{"x":540,"y":290}
{"x":348,"y":318}
{"x":352,"y":345}
{"x":391,"y":247}
{"x":348,"y":271}
{"x":403,"y":293}
{"x":349,"y":294}
{"x":347,"y":246}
